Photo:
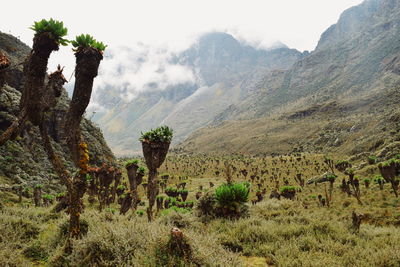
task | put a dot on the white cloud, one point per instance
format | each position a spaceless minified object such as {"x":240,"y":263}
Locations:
{"x":131,"y":70}
{"x":170,"y":26}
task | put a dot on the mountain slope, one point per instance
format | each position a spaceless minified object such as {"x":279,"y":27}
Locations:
{"x":225,"y":71}
{"x":354,"y":70}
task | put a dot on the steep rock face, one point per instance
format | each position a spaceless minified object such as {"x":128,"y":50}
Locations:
{"x":355,"y":65}
{"x":226,"y":72}
{"x":23,"y":160}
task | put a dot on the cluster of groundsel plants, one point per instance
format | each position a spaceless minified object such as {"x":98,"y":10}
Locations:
{"x":86,"y":40}
{"x":58,"y":31}
{"x":54,"y":27}
{"x":161,"y":134}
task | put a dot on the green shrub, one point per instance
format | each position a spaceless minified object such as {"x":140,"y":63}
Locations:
{"x":232,"y":194}
{"x":140,"y":213}
{"x":231,"y":199}
{"x":161,"y":134}
{"x":54,"y":27}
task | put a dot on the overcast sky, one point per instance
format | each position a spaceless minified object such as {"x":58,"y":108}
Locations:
{"x":174,"y":24}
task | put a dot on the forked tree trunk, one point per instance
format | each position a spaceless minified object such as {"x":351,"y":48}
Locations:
{"x":31,"y":103}
{"x":152,"y":191}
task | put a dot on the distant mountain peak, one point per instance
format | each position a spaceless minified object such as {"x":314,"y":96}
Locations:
{"x":277,"y":45}
{"x":216,"y":35}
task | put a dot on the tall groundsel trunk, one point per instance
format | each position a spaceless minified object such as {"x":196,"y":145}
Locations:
{"x":87,"y":64}
{"x":35,"y":73}
{"x":77,"y":191}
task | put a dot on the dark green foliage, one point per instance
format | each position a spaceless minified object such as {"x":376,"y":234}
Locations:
{"x":86,"y":40}
{"x":161,"y":134}
{"x":54,"y":27}
{"x":141,"y":170}
{"x":140,"y":213}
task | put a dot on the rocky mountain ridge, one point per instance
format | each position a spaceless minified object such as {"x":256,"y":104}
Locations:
{"x":352,"y":74}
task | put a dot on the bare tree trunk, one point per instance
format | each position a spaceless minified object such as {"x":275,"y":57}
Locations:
{"x":35,"y":73}
{"x":152,"y":191}
{"x":76,"y":204}
{"x":87,"y":64}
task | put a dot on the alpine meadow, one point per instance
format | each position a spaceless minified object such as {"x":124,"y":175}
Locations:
{"x":176,"y":135}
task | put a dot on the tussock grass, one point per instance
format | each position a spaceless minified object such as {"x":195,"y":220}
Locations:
{"x":279,"y":232}
{"x":283,"y":232}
